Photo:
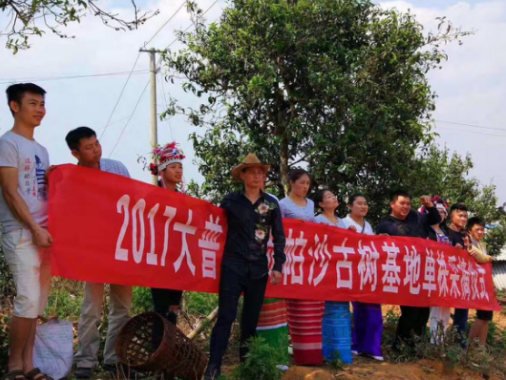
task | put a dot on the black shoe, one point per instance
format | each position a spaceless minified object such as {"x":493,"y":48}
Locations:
{"x":212,"y":372}
{"x":83,"y":373}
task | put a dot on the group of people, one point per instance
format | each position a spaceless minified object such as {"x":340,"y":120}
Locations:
{"x":253,"y":217}
{"x":24,"y":167}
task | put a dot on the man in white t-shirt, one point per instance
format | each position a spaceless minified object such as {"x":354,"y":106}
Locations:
{"x":23,"y":216}
{"x":86,"y":148}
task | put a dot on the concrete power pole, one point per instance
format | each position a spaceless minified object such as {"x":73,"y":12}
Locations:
{"x":154,"y":117}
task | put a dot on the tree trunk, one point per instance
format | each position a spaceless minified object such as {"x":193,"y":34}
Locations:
{"x":283,"y":159}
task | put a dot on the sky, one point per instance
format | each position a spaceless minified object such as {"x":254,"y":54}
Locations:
{"x":471,"y":87}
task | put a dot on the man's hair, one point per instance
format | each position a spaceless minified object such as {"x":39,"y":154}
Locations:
{"x":399,"y":193}
{"x":75,"y":136}
{"x":458,"y":207}
{"x":16,"y":92}
{"x":475,"y":221}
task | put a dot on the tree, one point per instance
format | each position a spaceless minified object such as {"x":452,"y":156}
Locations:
{"x":339,"y":87}
{"x":446,"y":174}
{"x":30,"y":17}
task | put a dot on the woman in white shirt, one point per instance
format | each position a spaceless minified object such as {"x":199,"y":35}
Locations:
{"x":367,"y":318}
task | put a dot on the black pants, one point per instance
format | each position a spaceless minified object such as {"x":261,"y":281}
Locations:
{"x":231,"y":286}
{"x":163,"y":299}
{"x":413,"y":320}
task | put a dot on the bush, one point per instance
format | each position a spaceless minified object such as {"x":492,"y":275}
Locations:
{"x":4,"y":339}
{"x":200,"y":304}
{"x":260,"y":363}
{"x":7,"y":288}
{"x":142,"y":301}
{"x":65,"y":299}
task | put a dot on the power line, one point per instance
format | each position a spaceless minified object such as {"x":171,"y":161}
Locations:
{"x":120,"y":95}
{"x":474,"y":132}
{"x":129,"y":119}
{"x":471,"y":125}
{"x":189,"y":26}
{"x":133,"y":68}
{"x":166,"y":106}
{"x":42,"y":79}
{"x":165,"y":24}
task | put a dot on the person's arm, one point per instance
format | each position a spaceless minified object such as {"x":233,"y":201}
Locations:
{"x":17,"y":205}
{"x":479,"y":256}
{"x":432,"y":216}
{"x":278,"y":238}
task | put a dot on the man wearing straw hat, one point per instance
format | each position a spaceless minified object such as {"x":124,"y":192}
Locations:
{"x":252,"y":216}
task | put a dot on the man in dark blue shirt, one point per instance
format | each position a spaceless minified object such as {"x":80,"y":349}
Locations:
{"x":403,"y":221}
{"x":252,"y":216}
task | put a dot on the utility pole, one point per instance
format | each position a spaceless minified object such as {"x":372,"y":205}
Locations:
{"x":154,"y":117}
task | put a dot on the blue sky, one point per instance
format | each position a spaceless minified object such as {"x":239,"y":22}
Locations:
{"x":471,"y":87}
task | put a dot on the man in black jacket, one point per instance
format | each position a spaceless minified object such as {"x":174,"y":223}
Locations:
{"x":252,"y":216}
{"x":403,"y":221}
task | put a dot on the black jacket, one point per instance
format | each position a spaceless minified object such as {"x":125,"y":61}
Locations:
{"x":416,"y":224}
{"x":249,"y":227}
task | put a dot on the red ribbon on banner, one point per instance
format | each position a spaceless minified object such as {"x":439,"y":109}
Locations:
{"x":111,"y":229}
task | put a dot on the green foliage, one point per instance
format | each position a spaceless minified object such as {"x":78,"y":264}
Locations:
{"x":4,"y":338}
{"x":335,"y":361}
{"x":65,"y":299}
{"x":27,"y":18}
{"x":260,"y":363}
{"x":142,"y":301}
{"x":486,"y":360}
{"x":7,"y":288}
{"x":339,"y":87}
{"x":200,"y":304}
{"x":446,"y":174}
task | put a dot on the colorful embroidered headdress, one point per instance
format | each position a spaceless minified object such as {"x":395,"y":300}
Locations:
{"x":164,"y":156}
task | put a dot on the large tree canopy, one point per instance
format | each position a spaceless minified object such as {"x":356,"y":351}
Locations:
{"x":26,"y":18}
{"x":335,"y":86}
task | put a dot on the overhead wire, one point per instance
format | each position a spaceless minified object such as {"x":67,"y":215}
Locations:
{"x":166,"y":105}
{"x":474,"y":132}
{"x":133,"y":68}
{"x":165,"y":24}
{"x":129,"y":119}
{"x":45,"y":79}
{"x":120,"y":95}
{"x":470,"y":125}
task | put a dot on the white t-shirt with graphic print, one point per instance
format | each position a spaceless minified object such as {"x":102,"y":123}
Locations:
{"x":31,"y":159}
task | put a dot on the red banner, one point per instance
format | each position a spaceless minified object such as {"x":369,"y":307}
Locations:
{"x":112,"y":229}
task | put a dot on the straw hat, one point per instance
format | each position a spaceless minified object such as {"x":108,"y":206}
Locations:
{"x":251,"y":160}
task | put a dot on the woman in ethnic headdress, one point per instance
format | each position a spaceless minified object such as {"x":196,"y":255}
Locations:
{"x":168,"y":165}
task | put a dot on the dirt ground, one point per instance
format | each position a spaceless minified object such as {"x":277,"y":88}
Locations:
{"x":367,"y":369}
{"x":363,"y":368}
